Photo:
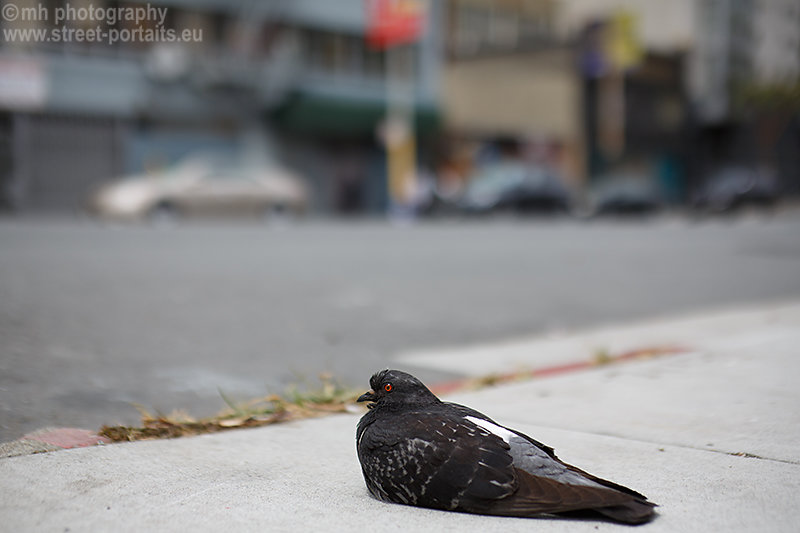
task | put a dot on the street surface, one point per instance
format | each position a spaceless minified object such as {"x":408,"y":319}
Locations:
{"x":95,"y":318}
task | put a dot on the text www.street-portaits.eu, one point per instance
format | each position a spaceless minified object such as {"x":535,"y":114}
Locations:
{"x":88,"y":23}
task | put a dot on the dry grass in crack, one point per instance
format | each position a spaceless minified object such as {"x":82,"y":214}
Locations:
{"x":331,"y":397}
{"x":296,"y":404}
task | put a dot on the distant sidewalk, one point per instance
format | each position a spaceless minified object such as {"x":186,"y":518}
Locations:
{"x":709,"y":432}
{"x":695,"y":331}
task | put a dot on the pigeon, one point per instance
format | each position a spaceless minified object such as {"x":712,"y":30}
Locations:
{"x":415,"y":449}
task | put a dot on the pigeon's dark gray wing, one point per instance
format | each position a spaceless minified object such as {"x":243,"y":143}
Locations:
{"x":435,"y":461}
{"x":548,"y":485}
{"x":600,"y":481}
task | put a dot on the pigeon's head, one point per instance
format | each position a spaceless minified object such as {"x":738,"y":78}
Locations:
{"x":397,"y":388}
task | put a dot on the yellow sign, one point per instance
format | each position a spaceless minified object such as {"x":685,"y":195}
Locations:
{"x":623,"y":48}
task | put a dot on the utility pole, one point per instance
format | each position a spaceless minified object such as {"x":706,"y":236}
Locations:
{"x":394,"y":26}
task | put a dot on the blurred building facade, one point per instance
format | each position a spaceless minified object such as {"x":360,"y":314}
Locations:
{"x":582,"y":85}
{"x":509,"y":77}
{"x":739,"y":42}
{"x":574,"y":82}
{"x":299,"y":72}
{"x":731,"y":97}
{"x":715,"y":84}
{"x":744,"y":82}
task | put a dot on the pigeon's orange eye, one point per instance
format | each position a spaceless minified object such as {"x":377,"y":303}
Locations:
{"x":388,"y":387}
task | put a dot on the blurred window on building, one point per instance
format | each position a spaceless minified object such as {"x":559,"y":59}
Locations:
{"x":504,"y":29}
{"x":484,"y":27}
{"x":322,"y":50}
{"x":470,"y":25}
{"x":198,"y":21}
{"x":374,"y":63}
{"x":534,"y":28}
{"x":218,"y":25}
{"x":328,"y":52}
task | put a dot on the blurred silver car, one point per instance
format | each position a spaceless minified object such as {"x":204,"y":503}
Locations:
{"x":203,"y":186}
{"x":732,"y":187}
{"x":516,"y":187}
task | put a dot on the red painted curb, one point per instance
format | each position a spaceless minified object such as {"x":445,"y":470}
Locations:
{"x":67,"y":437}
{"x":548,"y":371}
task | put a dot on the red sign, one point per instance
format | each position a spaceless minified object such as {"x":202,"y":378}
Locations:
{"x":394,"y":22}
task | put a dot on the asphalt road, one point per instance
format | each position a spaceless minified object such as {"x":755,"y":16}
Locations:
{"x":96,"y":318}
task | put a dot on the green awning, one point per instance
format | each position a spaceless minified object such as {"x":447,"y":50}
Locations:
{"x":311,"y":114}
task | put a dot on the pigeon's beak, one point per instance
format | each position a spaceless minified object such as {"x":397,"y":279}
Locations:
{"x":367,"y":397}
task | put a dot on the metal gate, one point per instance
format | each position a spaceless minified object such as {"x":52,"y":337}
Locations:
{"x":58,"y":159}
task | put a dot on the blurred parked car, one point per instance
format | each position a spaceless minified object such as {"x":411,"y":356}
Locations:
{"x":625,"y":195}
{"x":516,"y":187}
{"x":202,"y":186}
{"x":732,"y":187}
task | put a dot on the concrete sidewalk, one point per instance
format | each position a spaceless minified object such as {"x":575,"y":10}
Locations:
{"x":710,"y":434}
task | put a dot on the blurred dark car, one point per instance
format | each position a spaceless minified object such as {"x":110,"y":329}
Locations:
{"x":202,"y":186}
{"x":625,"y":195}
{"x":515,"y":187}
{"x":732,"y":187}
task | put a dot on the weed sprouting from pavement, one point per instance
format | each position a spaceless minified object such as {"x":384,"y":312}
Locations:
{"x":330,"y":396}
{"x":297,"y":403}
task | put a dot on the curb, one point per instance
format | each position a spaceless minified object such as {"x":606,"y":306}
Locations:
{"x":50,"y":440}
{"x":555,"y":370}
{"x":54,"y":439}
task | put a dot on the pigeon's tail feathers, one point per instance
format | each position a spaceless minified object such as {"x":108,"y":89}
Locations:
{"x":542,"y":495}
{"x":633,"y":512}
{"x":605,"y":482}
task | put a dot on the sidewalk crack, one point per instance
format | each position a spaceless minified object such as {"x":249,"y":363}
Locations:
{"x":747,"y":455}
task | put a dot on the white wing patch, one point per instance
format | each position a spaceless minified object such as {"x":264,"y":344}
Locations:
{"x":501,"y":432}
